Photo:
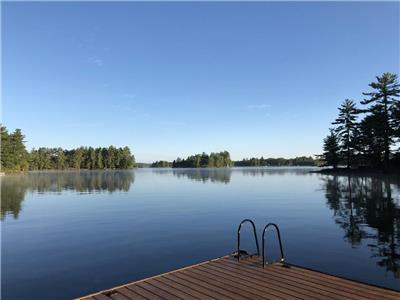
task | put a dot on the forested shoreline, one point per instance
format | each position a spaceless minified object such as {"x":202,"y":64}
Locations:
{"x":16,"y":158}
{"x":222,"y":159}
{"x":367,"y":137}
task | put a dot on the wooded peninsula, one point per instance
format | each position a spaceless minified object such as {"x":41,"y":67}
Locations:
{"x":366,"y":138}
{"x":15,"y":157}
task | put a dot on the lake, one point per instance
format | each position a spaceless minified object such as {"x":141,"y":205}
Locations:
{"x":67,"y":234}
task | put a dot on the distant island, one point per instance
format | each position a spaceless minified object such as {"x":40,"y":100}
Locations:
{"x":364,"y":139}
{"x":214,"y":160}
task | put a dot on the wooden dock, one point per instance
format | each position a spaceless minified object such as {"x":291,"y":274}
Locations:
{"x":225,"y":278}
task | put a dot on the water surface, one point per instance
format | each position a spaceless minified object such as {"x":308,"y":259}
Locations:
{"x":67,"y":234}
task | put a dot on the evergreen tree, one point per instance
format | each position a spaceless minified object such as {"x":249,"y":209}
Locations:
{"x":99,"y":159}
{"x":111,"y":157}
{"x":6,"y":153}
{"x":33,"y":160}
{"x":347,"y":128}
{"x":161,"y":164}
{"x":126,"y":158}
{"x":395,"y":115}
{"x":92,"y":158}
{"x":331,"y":150}
{"x":14,"y":156}
{"x":383,"y":102}
{"x":44,"y":159}
{"x":77,"y":158}
{"x":60,"y":159}
{"x":20,"y":153}
{"x":371,"y":140}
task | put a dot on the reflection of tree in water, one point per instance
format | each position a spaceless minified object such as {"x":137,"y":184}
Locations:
{"x":14,"y":187}
{"x":224,"y":174}
{"x":218,"y":175}
{"x":261,"y":171}
{"x":205,"y":175}
{"x":368,"y":209}
{"x":12,"y":194}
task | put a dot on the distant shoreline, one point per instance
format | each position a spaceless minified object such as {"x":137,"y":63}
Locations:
{"x":148,"y":167}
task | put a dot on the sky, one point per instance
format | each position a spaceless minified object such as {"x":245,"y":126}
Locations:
{"x":174,"y":79}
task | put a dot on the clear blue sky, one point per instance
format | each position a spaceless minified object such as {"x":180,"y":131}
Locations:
{"x":172,"y":79}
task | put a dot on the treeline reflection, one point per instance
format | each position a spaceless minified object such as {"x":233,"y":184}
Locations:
{"x":14,"y":187}
{"x":260,"y":171}
{"x":218,"y":175}
{"x":368,"y":210}
{"x":223,"y":175}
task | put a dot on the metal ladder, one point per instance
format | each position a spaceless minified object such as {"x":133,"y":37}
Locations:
{"x":279,"y":239}
{"x":244,"y":253}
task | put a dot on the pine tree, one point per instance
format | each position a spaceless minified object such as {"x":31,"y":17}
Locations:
{"x":347,"y":128}
{"x":395,"y":115}
{"x":383,"y":102}
{"x":370,"y":140}
{"x":19,"y":155}
{"x":331,"y":150}
{"x":92,"y":158}
{"x":6,"y":159}
{"x":44,"y":162}
{"x":111,"y":157}
{"x":77,"y":157}
{"x":99,"y":159}
{"x":61,"y":160}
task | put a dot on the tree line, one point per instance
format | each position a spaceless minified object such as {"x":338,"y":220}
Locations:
{"x":222,"y":159}
{"x":15,"y":157}
{"x":212,"y":160}
{"x":365,"y":136}
{"x":276,"y":162}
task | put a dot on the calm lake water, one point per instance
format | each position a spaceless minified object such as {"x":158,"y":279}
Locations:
{"x":67,"y":234}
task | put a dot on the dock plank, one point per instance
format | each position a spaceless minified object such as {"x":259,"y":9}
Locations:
{"x":358,"y":290}
{"x":226,"y":279}
{"x":130,"y":294}
{"x":179,"y":287}
{"x":306,"y":285}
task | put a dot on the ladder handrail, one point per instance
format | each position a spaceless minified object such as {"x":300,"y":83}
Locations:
{"x":279,"y":238}
{"x":238,"y":237}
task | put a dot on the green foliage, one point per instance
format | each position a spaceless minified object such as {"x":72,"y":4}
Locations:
{"x":395,"y":115}
{"x":371,"y":141}
{"x":14,"y":156}
{"x":82,"y":158}
{"x":276,"y":162}
{"x":214,"y":160}
{"x":384,"y":103}
{"x":161,"y":164}
{"x":331,"y":156}
{"x":347,"y":129}
{"x":368,"y":142}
